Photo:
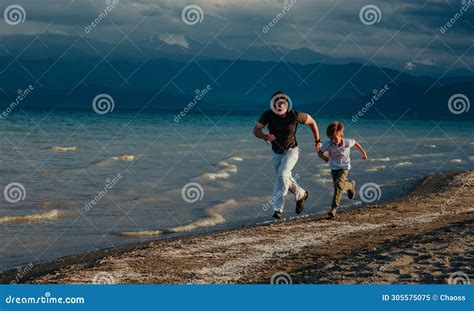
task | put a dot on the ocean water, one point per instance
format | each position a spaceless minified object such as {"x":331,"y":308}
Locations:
{"x":74,"y":182}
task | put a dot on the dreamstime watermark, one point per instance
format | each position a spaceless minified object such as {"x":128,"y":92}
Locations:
{"x":110,"y":183}
{"x":459,"y":104}
{"x":466,"y":5}
{"x":14,"y":192}
{"x":14,"y":14}
{"x":458,"y":278}
{"x":287,"y":6}
{"x":22,"y":272}
{"x":21,"y":96}
{"x":269,"y":204}
{"x":370,"y":192}
{"x":47,"y":298}
{"x":199,"y":95}
{"x":192,"y":14}
{"x":458,"y":194}
{"x":370,"y":15}
{"x":106,"y":278}
{"x":377,"y":95}
{"x":192,"y":192}
{"x":103,"y":278}
{"x":110,"y":5}
{"x":278,"y":99}
{"x":103,"y":103}
{"x":281,"y":278}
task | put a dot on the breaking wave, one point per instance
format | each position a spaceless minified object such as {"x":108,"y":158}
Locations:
{"x":63,"y":149}
{"x":125,"y":157}
{"x":146,"y":233}
{"x":213,"y":218}
{"x":47,"y":216}
{"x":226,"y":169}
{"x":379,"y":160}
{"x":404,"y":164}
{"x":375,"y":168}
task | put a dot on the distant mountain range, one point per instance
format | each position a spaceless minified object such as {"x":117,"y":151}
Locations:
{"x":168,"y":80}
{"x":178,"y":48}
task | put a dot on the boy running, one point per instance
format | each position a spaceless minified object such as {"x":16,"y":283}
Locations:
{"x":336,"y":151}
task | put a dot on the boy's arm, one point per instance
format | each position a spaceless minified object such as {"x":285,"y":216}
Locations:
{"x":361,"y":150}
{"x":323,"y":156}
{"x":322,"y":153}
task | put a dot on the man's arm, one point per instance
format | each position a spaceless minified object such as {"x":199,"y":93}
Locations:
{"x":258,"y":132}
{"x":361,"y":150}
{"x":314,"y":129}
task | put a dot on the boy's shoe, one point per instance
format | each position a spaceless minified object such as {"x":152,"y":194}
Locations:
{"x":278,"y":215}
{"x":332,"y":213}
{"x":300,"y":203}
{"x":351,"y":193}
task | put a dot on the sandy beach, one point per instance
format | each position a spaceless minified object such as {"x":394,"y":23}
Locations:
{"x":422,"y":237}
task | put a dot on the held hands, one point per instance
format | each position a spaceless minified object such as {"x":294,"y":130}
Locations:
{"x":323,"y":156}
{"x":318,"y":146}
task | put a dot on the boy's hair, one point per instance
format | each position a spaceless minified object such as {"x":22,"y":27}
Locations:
{"x":335,"y":128}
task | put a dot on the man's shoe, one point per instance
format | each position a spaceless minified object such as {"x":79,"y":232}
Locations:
{"x":278,"y":215}
{"x":332,"y":213}
{"x":351,"y":193}
{"x":300,"y":203}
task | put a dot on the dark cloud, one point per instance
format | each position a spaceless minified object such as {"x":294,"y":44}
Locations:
{"x":329,"y":26}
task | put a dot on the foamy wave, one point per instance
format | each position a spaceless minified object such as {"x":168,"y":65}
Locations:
{"x":222,"y":174}
{"x":214,"y":219}
{"x":47,"y":216}
{"x":49,"y":204}
{"x":323,"y":181}
{"x":63,"y":149}
{"x":375,"y":168}
{"x":456,"y":161}
{"x":404,"y":164}
{"x":146,"y":233}
{"x":431,"y":146}
{"x":323,"y":171}
{"x":231,"y":168}
{"x":379,"y":160}
{"x":125,"y":157}
{"x":420,"y":155}
{"x":225,"y":172}
{"x":239,"y":159}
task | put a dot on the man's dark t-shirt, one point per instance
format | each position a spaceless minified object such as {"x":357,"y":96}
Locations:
{"x":284,"y":129}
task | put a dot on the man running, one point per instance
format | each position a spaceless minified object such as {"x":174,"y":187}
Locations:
{"x":282,"y":124}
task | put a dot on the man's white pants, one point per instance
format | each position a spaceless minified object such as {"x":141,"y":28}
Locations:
{"x":284,"y":164}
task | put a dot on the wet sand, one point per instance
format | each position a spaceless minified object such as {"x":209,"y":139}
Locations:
{"x":423,"y":237}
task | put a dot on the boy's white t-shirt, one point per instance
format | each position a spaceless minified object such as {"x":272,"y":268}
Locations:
{"x":339,"y":157}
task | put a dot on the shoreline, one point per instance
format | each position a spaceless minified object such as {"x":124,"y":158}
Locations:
{"x":376,"y":243}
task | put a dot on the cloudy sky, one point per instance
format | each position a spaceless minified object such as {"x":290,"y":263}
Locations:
{"x":404,"y":32}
